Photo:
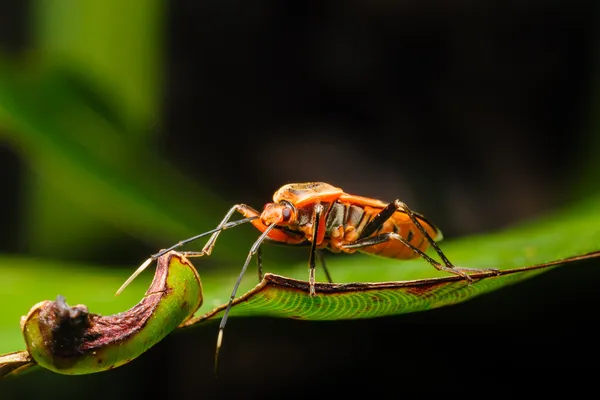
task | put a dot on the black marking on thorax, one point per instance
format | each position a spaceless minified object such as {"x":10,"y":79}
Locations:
{"x":341,"y":214}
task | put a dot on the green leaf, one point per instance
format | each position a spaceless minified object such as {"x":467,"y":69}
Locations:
{"x":27,"y":281}
{"x":72,"y":340}
{"x":279,"y":296}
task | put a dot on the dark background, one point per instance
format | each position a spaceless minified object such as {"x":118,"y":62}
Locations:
{"x":477,"y":114}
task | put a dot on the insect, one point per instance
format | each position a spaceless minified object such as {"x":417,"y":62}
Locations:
{"x":323,"y":216}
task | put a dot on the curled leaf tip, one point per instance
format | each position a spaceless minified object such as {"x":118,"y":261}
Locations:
{"x":71,"y":340}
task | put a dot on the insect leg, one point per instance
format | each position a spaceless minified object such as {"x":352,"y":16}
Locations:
{"x":253,"y":251}
{"x":259,"y":264}
{"x":321,"y":256}
{"x":313,"y":249}
{"x":210,"y":244}
{"x":250,"y":213}
{"x":384,"y":237}
{"x":219,"y":228}
{"x":378,"y":221}
{"x":215,"y":232}
{"x":373,"y":240}
{"x":402,"y":206}
{"x":398,"y":205}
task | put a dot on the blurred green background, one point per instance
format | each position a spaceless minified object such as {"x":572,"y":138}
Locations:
{"x":127,"y":126}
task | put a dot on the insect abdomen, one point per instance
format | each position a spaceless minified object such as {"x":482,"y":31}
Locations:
{"x":346,"y":216}
{"x":352,"y":219}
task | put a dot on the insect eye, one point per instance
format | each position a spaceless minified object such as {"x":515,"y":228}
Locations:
{"x":286,"y":213}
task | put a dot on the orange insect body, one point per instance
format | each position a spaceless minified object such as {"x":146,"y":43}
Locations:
{"x":324,"y":216}
{"x":343,"y":220}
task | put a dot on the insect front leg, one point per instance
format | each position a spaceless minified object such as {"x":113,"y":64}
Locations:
{"x":222,"y":226}
{"x":259,"y":264}
{"x":210,"y":244}
{"x":253,"y":250}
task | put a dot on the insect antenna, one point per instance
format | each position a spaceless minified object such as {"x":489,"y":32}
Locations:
{"x":153,"y":257}
{"x":252,"y":251}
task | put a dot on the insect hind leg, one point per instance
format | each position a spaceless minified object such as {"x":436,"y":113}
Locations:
{"x":373,"y":240}
{"x":401,"y":206}
{"x":398,"y":205}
